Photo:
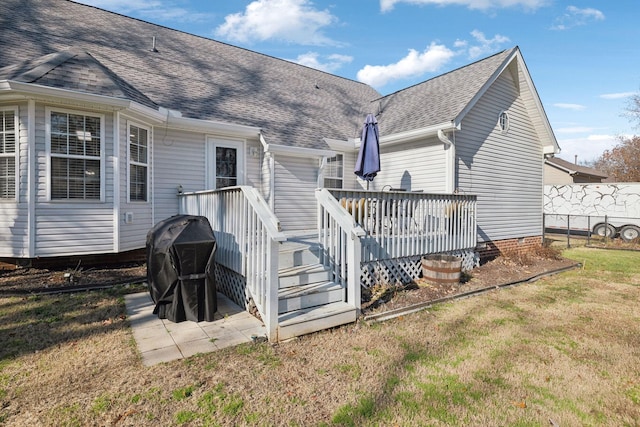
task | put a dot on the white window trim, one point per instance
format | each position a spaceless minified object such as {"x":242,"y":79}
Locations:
{"x":326,"y":177}
{"x":48,"y":111}
{"x":16,"y":155}
{"x":131,"y":162}
{"x":508,"y":121}
{"x":210,"y":164}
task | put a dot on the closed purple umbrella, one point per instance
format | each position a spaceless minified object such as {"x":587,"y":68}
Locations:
{"x":368,"y":162}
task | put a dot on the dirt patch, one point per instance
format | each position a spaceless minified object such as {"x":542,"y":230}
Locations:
{"x":506,"y":269}
{"x":500,"y":271}
{"x":39,"y":280}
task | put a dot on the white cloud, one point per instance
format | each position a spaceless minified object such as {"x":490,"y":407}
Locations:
{"x":294,"y":21}
{"x":574,"y":17}
{"x":486,"y":45}
{"x":387,"y":5}
{"x":588,"y":148}
{"x":574,"y":107}
{"x":162,"y":10}
{"x":619,"y":95}
{"x":330,"y":65}
{"x":575,"y":129}
{"x":414,"y":64}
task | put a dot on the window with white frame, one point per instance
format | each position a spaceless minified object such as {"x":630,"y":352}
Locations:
{"x":503,"y":121}
{"x":138,"y":163}
{"x":334,"y":172}
{"x":8,"y":150}
{"x":75,"y":149}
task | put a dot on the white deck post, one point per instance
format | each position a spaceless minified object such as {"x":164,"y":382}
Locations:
{"x":271,"y":302}
{"x":354,"y":256}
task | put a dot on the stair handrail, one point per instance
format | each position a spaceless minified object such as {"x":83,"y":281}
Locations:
{"x":248,"y":235}
{"x":340,"y":237}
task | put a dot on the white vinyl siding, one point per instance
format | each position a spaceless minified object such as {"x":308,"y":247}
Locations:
{"x":73,"y":227}
{"x":296,"y":180}
{"x":135,"y":217}
{"x":505,"y":170}
{"x":179,"y":159}
{"x":8,"y":153}
{"x":415,"y":166}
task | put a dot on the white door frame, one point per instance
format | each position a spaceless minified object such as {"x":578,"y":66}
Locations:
{"x":210,"y":152}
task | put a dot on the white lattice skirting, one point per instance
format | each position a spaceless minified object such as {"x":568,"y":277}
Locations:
{"x":231,"y":284}
{"x":407,"y":269}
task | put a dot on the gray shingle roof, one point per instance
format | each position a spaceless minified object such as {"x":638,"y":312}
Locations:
{"x":112,"y":54}
{"x":76,"y":71}
{"x":438,"y":100}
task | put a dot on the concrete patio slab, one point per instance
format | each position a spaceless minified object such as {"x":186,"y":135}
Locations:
{"x":160,"y":340}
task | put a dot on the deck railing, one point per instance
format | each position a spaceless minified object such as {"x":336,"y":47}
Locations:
{"x":339,"y":237}
{"x":247,"y":237}
{"x":402,"y":224}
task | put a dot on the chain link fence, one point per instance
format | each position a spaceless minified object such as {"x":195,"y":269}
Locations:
{"x":600,"y":229}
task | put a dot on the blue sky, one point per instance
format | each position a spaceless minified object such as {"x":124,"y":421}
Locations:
{"x":583,"y":56}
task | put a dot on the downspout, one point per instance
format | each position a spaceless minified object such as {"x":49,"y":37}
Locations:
{"x":449,"y":146}
{"x":271,"y":163}
{"x":323,"y":164}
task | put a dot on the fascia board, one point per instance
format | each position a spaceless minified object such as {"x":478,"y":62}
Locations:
{"x":30,"y":89}
{"x":208,"y":126}
{"x":297,"y":151}
{"x":24,"y":90}
{"x":413,"y":135}
{"x":340,"y":145}
{"x":562,"y":168}
{"x":516,"y":55}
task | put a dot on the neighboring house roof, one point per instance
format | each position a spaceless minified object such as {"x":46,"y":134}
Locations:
{"x":63,"y":44}
{"x":572,"y":169}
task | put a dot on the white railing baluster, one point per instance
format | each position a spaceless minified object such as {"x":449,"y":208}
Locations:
{"x":247,"y":238}
{"x":403,"y":224}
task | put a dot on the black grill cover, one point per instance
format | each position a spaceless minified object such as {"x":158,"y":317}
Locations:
{"x":180,"y":253}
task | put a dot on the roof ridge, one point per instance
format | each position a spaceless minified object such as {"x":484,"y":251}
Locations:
{"x":462,"y":67}
{"x":46,"y":64}
{"x":223,"y":43}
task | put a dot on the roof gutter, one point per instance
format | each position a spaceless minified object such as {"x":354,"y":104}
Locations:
{"x":24,"y":90}
{"x":415,"y":134}
{"x":209,"y":126}
{"x":161,"y":116}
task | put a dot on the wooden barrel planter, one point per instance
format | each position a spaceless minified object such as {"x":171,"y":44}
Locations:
{"x":441,"y":269}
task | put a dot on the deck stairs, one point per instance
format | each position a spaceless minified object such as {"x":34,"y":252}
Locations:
{"x":308,"y":301}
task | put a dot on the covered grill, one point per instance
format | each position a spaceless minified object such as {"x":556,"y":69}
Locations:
{"x":180,"y":252}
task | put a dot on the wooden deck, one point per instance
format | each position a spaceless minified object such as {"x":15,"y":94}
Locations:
{"x":308,"y":281}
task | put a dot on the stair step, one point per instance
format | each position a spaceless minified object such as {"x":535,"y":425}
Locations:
{"x":313,"y":319}
{"x":304,"y":296}
{"x":303,"y":275}
{"x":294,"y":255}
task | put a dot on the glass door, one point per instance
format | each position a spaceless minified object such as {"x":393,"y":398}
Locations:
{"x":225,"y":163}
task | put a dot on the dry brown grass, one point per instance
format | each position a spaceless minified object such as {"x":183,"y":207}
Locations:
{"x":564,"y":349}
